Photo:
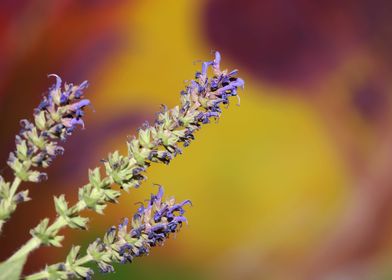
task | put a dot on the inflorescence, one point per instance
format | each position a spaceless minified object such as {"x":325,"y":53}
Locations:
{"x":36,"y":144}
{"x":159,"y":142}
{"x":201,"y":101}
{"x":150,"y":226}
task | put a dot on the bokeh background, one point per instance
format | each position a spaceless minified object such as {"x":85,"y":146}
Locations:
{"x":293,"y":184}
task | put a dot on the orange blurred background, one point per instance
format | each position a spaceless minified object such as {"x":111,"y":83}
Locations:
{"x":293,"y":184}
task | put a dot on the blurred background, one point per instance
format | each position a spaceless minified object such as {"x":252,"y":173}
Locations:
{"x":294,"y":184}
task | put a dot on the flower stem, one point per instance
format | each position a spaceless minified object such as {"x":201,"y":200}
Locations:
{"x":58,"y":224}
{"x":44,"y":274}
{"x":35,"y":242}
{"x":84,"y":260}
{"x":37,"y":276}
{"x":26,"y":249}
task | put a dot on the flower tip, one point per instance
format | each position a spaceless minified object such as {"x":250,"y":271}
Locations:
{"x":160,"y":192}
{"x":125,"y":222}
{"x":240,"y":83}
{"x":79,"y":105}
{"x":111,"y":230}
{"x":42,"y":177}
{"x":217,"y":58}
{"x":186,"y":202}
{"x":58,"y":80}
{"x":84,"y":85}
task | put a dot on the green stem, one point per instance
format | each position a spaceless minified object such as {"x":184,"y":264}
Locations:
{"x":38,"y":276}
{"x":26,"y":249}
{"x":84,"y":260}
{"x":35,"y":243}
{"x":45,"y":275}
{"x":58,"y":224}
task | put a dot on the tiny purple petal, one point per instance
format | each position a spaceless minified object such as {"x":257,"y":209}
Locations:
{"x":205,"y":66}
{"x":217,"y":59}
{"x":58,"y":80}
{"x":79,"y":91}
{"x":83,"y":85}
{"x":180,"y":219}
{"x":76,"y":106}
{"x":124,"y":223}
{"x":186,"y":202}
{"x":157,"y":227}
{"x":70,"y":123}
{"x":239,"y":83}
{"x":160,"y":192}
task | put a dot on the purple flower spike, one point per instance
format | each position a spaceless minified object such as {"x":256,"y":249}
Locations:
{"x":174,"y":128}
{"x":157,"y":142}
{"x":56,"y":117}
{"x":122,"y":245}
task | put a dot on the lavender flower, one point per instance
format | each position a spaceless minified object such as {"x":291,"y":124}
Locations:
{"x":150,"y":226}
{"x":55,"y":118}
{"x":173,"y":129}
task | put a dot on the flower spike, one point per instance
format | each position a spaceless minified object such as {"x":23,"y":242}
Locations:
{"x":55,"y":118}
{"x":121,"y":244}
{"x":159,"y":142}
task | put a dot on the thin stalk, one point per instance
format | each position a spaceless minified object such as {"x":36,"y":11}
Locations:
{"x":34,"y":242}
{"x":44,"y":274}
{"x":30,"y":246}
{"x":58,"y":224}
{"x":38,"y":276}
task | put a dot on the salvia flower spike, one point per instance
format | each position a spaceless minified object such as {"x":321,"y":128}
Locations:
{"x":173,"y":129}
{"x":150,"y":226}
{"x":58,"y":114}
{"x":160,"y":142}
